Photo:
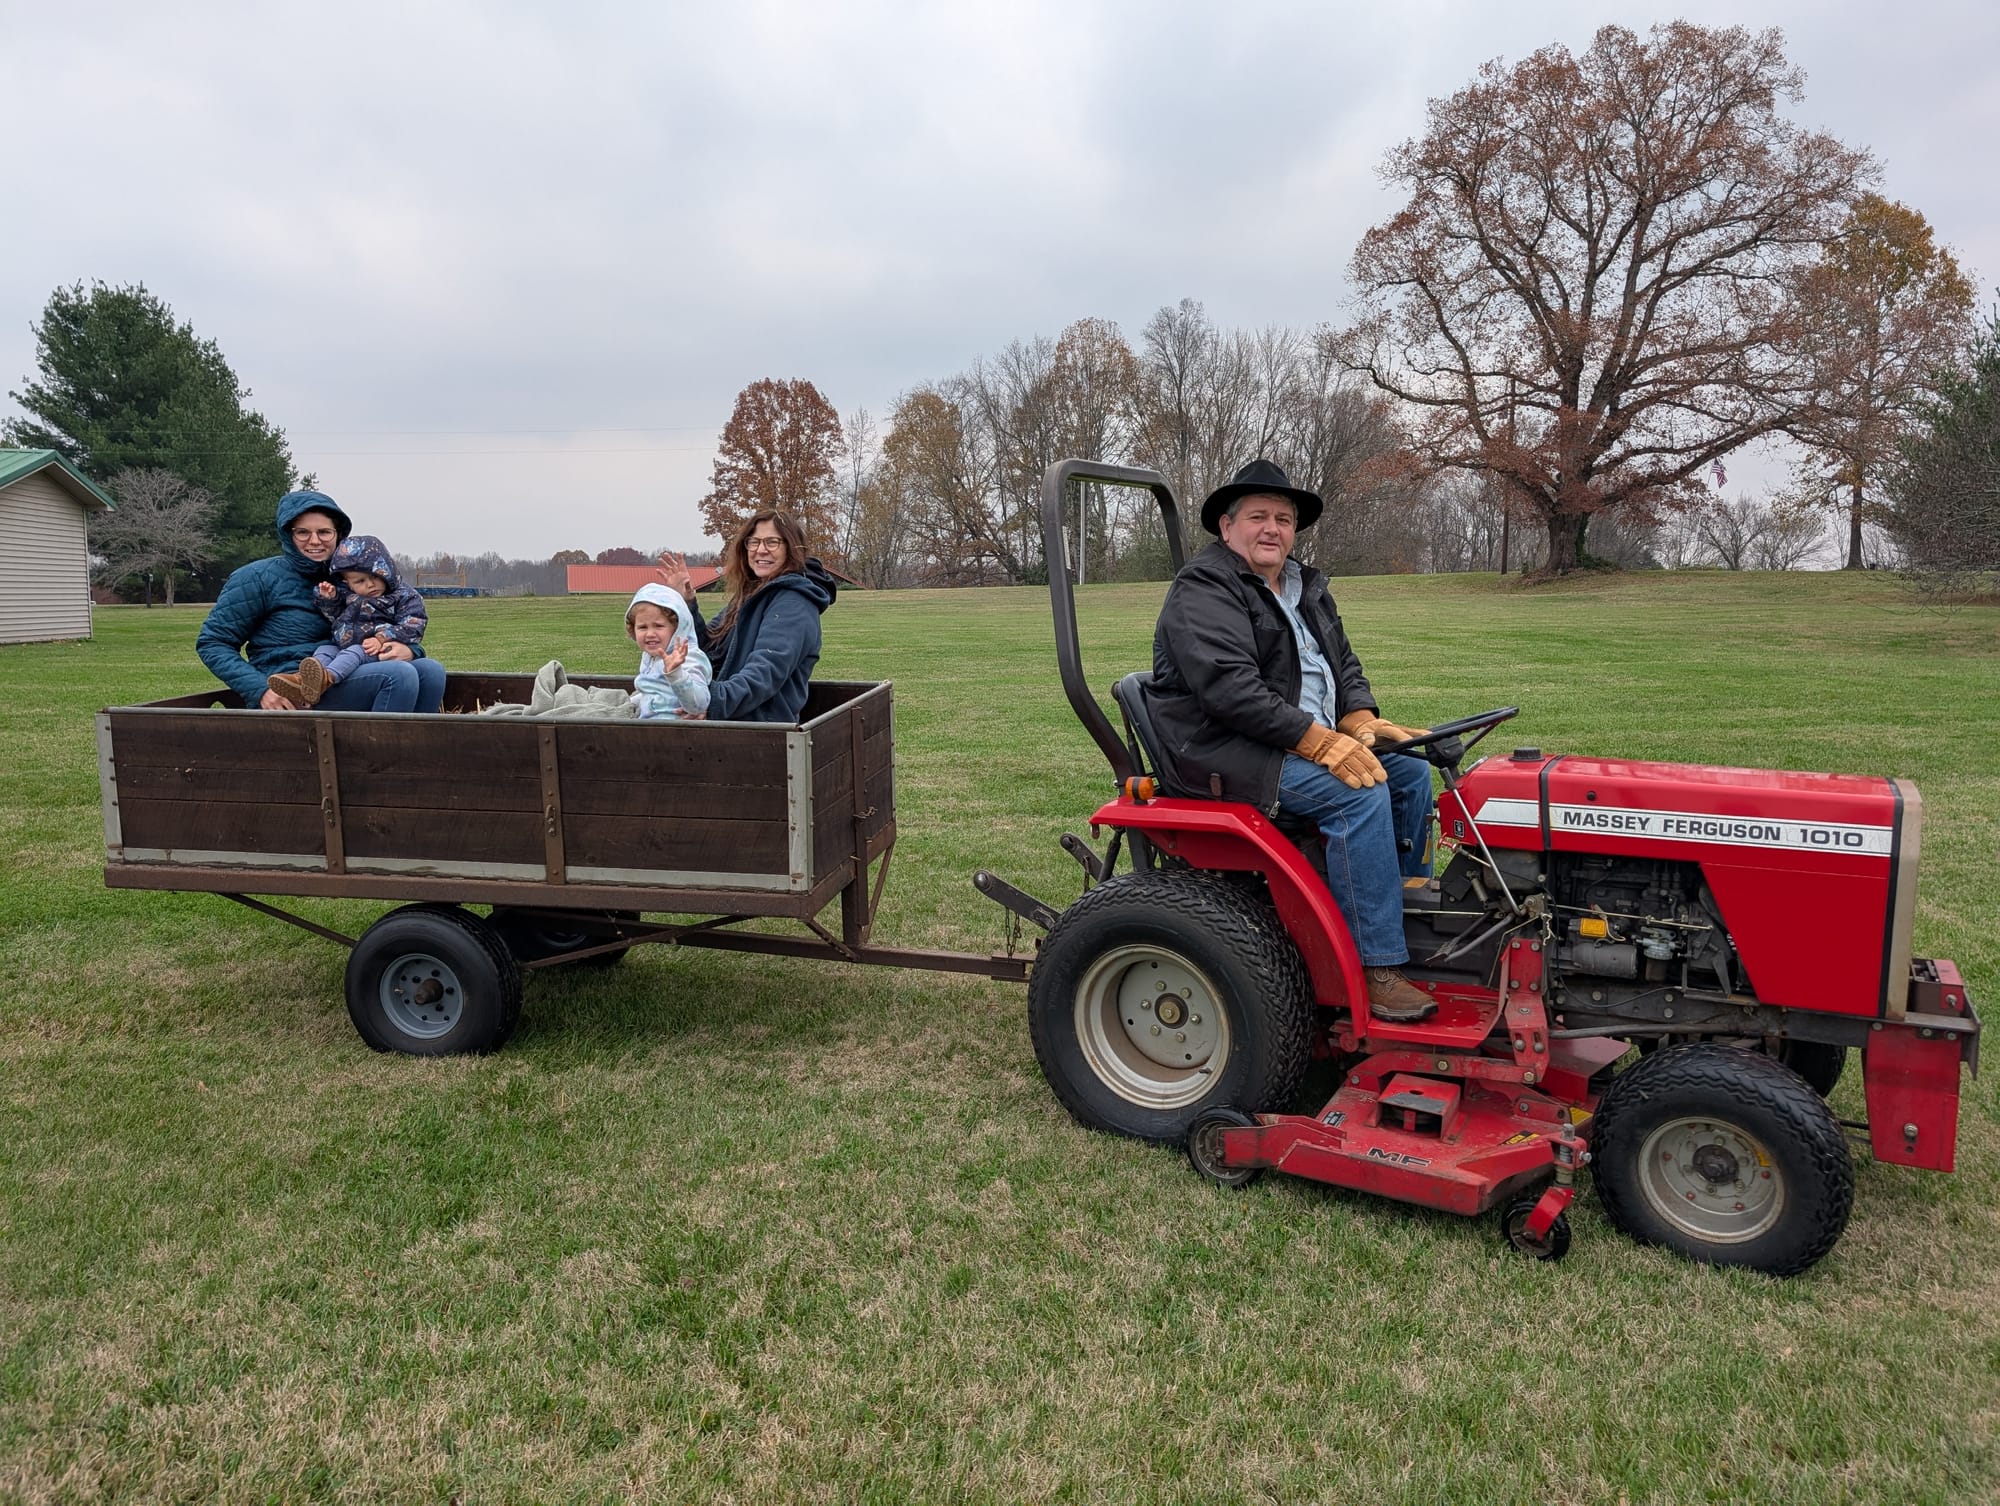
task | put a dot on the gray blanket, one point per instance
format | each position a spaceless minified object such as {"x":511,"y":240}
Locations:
{"x":554,"y":696}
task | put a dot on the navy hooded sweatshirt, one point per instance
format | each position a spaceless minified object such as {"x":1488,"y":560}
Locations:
{"x":267,"y":617}
{"x":769,"y":654}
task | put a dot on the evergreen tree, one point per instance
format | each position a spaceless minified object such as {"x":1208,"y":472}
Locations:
{"x":121,"y":385}
{"x":1946,"y":495}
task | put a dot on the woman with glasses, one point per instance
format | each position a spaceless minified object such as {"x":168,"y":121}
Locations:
{"x":267,"y":619}
{"x":765,"y":640}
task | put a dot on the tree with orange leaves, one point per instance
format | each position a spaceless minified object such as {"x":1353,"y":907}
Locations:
{"x":1586,"y":294}
{"x":778,"y":450}
{"x":1885,"y":313}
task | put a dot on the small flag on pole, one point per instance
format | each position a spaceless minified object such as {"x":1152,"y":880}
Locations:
{"x":1721,"y":476}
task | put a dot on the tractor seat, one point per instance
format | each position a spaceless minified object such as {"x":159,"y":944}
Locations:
{"x":1145,"y":739}
{"x":1130,"y":693}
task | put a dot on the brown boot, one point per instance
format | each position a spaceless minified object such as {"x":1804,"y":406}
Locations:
{"x":288,"y":686}
{"x":1394,"y":998}
{"x":314,"y":679}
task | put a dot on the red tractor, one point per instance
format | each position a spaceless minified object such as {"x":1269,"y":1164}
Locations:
{"x":1742,"y":929}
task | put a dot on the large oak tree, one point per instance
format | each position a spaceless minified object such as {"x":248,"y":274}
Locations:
{"x":1587,"y":292}
{"x":778,"y":450}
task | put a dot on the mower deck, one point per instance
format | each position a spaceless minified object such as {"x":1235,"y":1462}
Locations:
{"x":1414,"y":1129}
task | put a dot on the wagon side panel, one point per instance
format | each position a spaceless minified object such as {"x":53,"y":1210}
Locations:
{"x":458,"y":796}
{"x":205,"y":789}
{"x":864,"y":724}
{"x":668,"y":805}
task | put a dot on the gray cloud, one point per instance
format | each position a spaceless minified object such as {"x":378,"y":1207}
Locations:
{"x":501,"y":270}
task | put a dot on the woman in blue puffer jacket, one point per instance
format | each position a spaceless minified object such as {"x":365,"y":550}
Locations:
{"x":267,"y":619}
{"x":765,"y":640}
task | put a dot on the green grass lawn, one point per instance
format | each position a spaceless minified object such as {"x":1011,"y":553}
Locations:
{"x":719,"y":1227}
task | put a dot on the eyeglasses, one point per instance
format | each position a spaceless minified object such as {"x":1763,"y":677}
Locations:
{"x":763,"y":546}
{"x":303,"y":534}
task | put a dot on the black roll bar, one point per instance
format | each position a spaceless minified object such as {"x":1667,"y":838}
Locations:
{"x":1062,"y":595}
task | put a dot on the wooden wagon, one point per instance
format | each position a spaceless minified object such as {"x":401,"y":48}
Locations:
{"x":572,"y":832}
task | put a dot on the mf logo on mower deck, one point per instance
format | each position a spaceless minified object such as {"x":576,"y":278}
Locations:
{"x":1396,"y":1157}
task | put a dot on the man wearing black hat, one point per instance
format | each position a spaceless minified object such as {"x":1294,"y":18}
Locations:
{"x":1258,"y":697}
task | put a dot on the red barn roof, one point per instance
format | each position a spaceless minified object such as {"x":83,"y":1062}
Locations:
{"x":623,"y":580}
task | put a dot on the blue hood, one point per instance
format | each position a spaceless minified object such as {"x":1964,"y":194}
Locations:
{"x":363,"y":551}
{"x":289,"y":507}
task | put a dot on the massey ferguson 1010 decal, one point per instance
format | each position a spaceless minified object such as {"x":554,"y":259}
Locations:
{"x":1692,"y":826}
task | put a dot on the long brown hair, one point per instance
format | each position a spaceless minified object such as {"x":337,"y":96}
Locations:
{"x":736,"y":572}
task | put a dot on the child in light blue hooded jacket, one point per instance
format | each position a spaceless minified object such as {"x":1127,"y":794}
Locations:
{"x":673,"y":672}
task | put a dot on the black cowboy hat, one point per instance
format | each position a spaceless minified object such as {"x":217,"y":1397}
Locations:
{"x":1260,"y":478}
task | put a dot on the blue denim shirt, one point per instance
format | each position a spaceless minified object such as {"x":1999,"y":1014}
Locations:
{"x":1317,"y":698}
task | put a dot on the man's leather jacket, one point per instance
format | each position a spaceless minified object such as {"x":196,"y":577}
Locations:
{"x":1226,"y":677}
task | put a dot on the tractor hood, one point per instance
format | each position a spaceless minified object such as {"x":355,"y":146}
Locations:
{"x":1815,"y":874}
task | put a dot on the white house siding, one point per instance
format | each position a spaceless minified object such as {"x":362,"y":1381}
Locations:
{"x":44,"y":562}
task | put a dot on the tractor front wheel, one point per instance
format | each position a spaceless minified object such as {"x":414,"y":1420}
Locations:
{"x":1725,"y":1156}
{"x":1158,"y":996}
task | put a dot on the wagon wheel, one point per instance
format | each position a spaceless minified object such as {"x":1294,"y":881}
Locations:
{"x":531,"y":937}
{"x":1160,"y":995}
{"x":1724,"y":1155}
{"x":433,"y":981}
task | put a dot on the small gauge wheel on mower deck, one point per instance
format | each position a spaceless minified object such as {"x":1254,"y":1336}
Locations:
{"x":531,"y":937}
{"x":1159,"y":995}
{"x":1204,"y":1147}
{"x":1514,"y":1224}
{"x":1724,"y":1155}
{"x":433,"y":980}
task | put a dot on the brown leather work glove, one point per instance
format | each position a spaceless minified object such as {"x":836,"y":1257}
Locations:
{"x":1341,"y":756}
{"x":1368,"y":729}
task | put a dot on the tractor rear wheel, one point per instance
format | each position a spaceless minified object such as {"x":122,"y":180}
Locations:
{"x":1725,"y":1156}
{"x":1160,"y":995}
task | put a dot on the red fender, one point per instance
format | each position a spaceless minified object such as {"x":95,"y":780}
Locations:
{"x":1235,"y":838}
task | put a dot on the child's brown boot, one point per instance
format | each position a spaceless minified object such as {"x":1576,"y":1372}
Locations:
{"x":288,"y":686}
{"x":314,"y":678}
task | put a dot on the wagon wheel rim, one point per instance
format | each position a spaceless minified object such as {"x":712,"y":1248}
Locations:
{"x":421,"y":995}
{"x":1712,"y":1179}
{"x":1152,"y":1026}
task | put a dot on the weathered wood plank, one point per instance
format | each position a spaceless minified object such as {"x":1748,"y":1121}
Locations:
{"x":448,"y":889}
{"x":685,"y":846}
{"x":470,"y":748}
{"x":667,"y":752}
{"x":198,"y":740}
{"x":220,"y":826}
{"x":253,"y":786}
{"x":385,"y":831}
{"x":672,"y":799}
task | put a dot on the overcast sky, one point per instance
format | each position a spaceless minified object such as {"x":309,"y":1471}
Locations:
{"x":499,"y":271}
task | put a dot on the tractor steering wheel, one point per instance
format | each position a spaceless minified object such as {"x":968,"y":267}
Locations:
{"x":1442,"y":745}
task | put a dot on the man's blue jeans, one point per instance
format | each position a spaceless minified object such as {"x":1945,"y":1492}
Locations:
{"x":388,"y":685}
{"x":1361,"y":827}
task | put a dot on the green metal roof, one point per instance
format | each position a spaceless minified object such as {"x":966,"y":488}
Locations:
{"x":18,"y":465}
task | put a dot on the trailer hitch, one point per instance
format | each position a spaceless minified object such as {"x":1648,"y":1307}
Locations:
{"x":1016,"y":901}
